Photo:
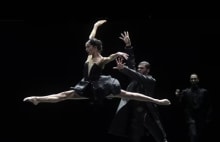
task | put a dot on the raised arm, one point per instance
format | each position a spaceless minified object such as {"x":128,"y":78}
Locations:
{"x":95,"y":27}
{"x":130,"y":62}
{"x":125,"y":38}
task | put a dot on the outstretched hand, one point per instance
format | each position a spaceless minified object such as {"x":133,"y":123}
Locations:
{"x":120,"y":64}
{"x":122,"y":54}
{"x":125,"y":37}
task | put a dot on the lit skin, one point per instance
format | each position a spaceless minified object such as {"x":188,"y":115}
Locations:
{"x":94,"y":56}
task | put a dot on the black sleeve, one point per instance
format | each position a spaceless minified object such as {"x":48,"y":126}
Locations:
{"x":133,"y":74}
{"x":130,"y":62}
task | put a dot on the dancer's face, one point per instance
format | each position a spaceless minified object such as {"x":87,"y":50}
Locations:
{"x":90,"y":49}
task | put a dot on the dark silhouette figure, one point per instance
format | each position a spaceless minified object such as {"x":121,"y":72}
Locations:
{"x":138,"y":121}
{"x":197,"y":107}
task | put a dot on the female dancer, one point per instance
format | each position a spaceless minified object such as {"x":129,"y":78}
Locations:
{"x":94,"y":85}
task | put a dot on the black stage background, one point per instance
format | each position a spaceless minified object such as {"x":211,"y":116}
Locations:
{"x":43,"y":53}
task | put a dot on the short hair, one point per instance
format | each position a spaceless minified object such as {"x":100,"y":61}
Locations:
{"x":195,"y":74}
{"x":146,"y":64}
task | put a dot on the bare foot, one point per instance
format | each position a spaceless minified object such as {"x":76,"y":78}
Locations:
{"x":164,"y":102}
{"x":31,"y":99}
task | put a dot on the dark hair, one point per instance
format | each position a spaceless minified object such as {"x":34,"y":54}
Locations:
{"x":96,"y":42}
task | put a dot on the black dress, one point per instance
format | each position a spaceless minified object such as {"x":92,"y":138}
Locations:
{"x":95,"y":85}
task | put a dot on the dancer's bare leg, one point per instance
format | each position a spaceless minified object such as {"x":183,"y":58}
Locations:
{"x":140,"y":97}
{"x":54,"y":98}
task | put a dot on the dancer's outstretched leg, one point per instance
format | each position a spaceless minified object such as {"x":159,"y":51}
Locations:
{"x":140,"y":97}
{"x":54,"y":98}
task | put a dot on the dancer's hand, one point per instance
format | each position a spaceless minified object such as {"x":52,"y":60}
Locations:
{"x":99,"y":23}
{"x":124,"y":55}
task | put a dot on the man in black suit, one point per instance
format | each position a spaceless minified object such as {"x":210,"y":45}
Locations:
{"x":137,"y":120}
{"x":197,"y":108}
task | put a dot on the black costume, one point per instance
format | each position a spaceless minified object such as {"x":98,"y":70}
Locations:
{"x":197,"y":108}
{"x":135,"y":119}
{"x":96,"y":86}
